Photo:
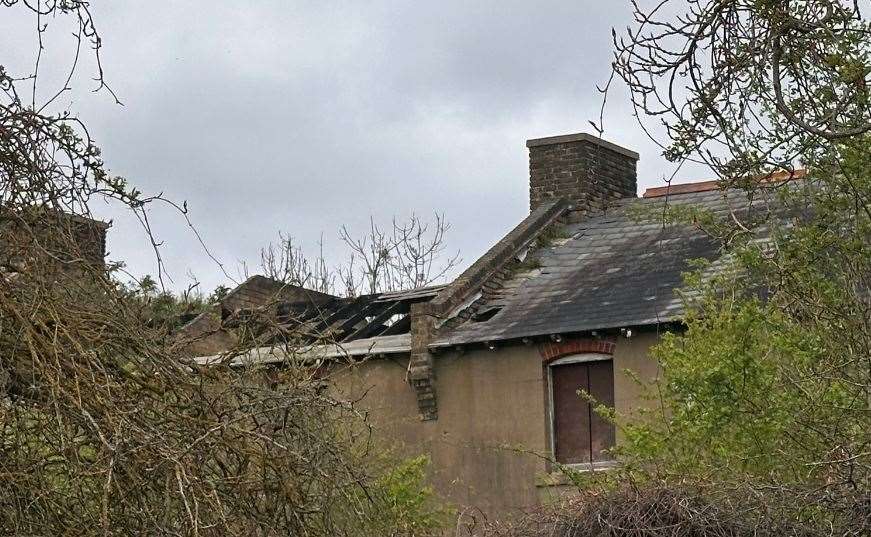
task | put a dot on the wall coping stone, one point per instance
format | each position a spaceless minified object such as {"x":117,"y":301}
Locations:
{"x":582,"y":137}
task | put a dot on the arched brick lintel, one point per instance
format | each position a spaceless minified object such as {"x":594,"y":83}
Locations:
{"x":553,"y":350}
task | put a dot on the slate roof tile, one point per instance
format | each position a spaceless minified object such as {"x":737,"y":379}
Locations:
{"x":616,"y":270}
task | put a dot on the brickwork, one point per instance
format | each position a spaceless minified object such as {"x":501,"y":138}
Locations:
{"x":421,"y":372}
{"x":258,"y":291}
{"x":586,"y":171}
{"x":554,"y":350}
{"x":206,"y":333}
{"x":51,"y":240}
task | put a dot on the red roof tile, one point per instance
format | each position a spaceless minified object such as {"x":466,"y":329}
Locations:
{"x":705,"y":186}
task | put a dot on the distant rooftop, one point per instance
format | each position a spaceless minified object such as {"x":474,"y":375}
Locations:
{"x":706,"y":186}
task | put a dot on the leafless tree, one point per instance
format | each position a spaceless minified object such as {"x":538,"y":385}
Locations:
{"x":286,"y":262}
{"x":411,"y":253}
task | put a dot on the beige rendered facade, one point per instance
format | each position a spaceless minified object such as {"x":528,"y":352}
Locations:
{"x":490,"y":445}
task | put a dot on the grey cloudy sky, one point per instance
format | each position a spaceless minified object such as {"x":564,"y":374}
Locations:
{"x":302,"y":116}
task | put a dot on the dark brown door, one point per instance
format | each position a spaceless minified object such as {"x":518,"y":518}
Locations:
{"x":580,"y":434}
{"x":602,"y":389}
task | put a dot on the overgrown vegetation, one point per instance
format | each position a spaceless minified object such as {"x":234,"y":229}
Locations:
{"x":104,"y":428}
{"x":673,"y":510}
{"x":408,"y":505}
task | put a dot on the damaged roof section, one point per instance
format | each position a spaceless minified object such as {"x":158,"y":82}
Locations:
{"x":614,"y":270}
{"x":617,"y":267}
{"x":279,"y":314}
{"x":344,"y":320}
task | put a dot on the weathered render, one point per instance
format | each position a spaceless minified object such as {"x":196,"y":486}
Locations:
{"x":490,"y":444}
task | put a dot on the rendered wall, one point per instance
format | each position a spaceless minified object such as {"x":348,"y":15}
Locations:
{"x":632,"y":354}
{"x":489,"y":443}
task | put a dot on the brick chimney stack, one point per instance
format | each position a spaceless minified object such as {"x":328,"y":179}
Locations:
{"x":585,"y":170}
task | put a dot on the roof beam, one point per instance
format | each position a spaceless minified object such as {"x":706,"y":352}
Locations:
{"x":401,"y":326}
{"x":365,"y":307}
{"x":343,"y":312}
{"x":375,"y":324}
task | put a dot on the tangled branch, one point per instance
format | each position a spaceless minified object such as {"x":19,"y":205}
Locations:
{"x":105,"y":428}
{"x":745,"y":86}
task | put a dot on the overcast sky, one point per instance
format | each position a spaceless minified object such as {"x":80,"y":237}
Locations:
{"x":304,"y":116}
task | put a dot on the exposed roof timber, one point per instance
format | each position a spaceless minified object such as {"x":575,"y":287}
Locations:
{"x":346,"y":319}
{"x":376,"y":324}
{"x":365,"y":308}
{"x":297,"y":314}
{"x":342,"y":313}
{"x":399,"y":327}
{"x":411,"y":294}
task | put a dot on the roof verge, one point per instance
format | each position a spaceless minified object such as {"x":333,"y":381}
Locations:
{"x":495,"y":258}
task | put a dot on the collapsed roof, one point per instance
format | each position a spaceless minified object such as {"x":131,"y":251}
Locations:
{"x":281,"y":314}
{"x":345,"y":320}
{"x":617,"y":269}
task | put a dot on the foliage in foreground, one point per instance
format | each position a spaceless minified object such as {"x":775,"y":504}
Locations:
{"x":408,"y":505}
{"x":105,"y":429}
{"x":772,"y":394}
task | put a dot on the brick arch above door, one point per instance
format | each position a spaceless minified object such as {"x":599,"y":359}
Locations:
{"x":554,"y":350}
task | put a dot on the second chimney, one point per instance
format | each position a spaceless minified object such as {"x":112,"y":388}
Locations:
{"x":585,"y":170}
